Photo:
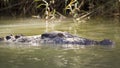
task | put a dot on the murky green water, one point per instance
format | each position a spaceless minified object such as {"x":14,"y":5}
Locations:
{"x":26,"y":56}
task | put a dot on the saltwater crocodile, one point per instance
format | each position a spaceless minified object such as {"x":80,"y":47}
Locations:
{"x":56,"y":37}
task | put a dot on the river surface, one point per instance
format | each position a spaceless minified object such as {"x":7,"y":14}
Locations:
{"x":53,"y":56}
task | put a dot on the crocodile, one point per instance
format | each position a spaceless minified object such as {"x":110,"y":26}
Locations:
{"x":55,"y":37}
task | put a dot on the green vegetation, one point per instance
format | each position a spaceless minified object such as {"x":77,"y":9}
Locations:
{"x":57,"y":8}
{"x":53,"y":56}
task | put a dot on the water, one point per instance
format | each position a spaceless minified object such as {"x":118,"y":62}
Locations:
{"x":51,"y":56}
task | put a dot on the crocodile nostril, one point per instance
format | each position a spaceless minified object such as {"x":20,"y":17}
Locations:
{"x":8,"y":37}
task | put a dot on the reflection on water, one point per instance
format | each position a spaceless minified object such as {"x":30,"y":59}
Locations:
{"x":60,"y":56}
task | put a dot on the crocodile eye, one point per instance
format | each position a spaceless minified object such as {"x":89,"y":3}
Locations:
{"x":60,"y":35}
{"x":44,"y":36}
{"x":8,"y":37}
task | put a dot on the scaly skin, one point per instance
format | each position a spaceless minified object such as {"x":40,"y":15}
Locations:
{"x":56,"y":37}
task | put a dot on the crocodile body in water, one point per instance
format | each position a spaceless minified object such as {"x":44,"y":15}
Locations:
{"x":56,"y":37}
